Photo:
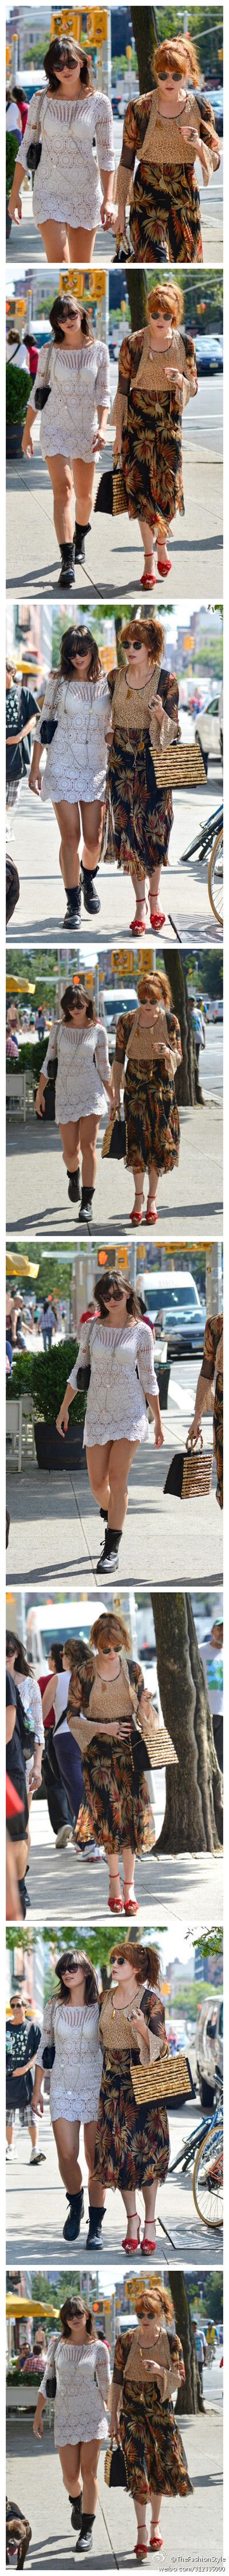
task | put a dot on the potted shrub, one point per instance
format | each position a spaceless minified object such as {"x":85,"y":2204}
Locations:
{"x":31,"y":1060}
{"x":17,"y":395}
{"x":45,"y":1376}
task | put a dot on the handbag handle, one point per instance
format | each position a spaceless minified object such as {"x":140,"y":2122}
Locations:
{"x":192,"y":1441}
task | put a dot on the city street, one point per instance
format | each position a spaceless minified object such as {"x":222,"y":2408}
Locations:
{"x":196,"y":566}
{"x":189,"y":1883}
{"x":190,"y":1196}
{"x":36,"y":2206}
{"x":26,"y":244}
{"x":55,"y":1527}
{"x":192,"y":2527}
{"x":34,"y":842}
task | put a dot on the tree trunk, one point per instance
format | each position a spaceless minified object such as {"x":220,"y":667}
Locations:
{"x":137,"y":298}
{"x":189,"y":1822}
{"x":189,"y":2397}
{"x":188,"y":1087}
{"x":145,"y":34}
{"x":118,"y":628}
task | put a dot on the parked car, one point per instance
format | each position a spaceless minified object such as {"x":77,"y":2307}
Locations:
{"x":112,"y":1002}
{"x":209,"y":2048}
{"x":209,"y":352}
{"x":208,"y":729}
{"x":174,"y":1298}
{"x":216,"y":99}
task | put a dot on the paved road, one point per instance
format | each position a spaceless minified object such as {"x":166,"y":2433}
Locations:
{"x":211,"y":1060}
{"x":54,"y":1523}
{"x":190,"y":1884}
{"x":36,"y":2207}
{"x":192,"y":2529}
{"x":196,"y":566}
{"x":41,"y":907}
{"x":37,"y":1189}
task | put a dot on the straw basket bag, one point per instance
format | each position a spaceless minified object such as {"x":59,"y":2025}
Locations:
{"x":179,"y":766}
{"x":169,"y":2078}
{"x":187,"y":1475}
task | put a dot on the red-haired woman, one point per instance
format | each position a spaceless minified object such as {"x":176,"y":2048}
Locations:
{"x":165,"y":132}
{"x":157,"y":373}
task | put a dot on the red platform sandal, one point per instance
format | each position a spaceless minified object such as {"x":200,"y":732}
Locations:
{"x":141,"y":2546}
{"x":130,"y":1908}
{"x":148,"y":580}
{"x":131,"y":2243}
{"x":136,"y":1216}
{"x":136,"y":925}
{"x":151,"y":1212}
{"x":118,"y":1908}
{"x":157,"y":920}
{"x":157,"y":2541}
{"x":148,"y":2244}
{"x":163,"y":569}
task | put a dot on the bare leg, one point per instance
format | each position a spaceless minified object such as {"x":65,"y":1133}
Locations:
{"x":89,"y":2455}
{"x":84,"y":482}
{"x":81,"y":244}
{"x":133,"y":2222}
{"x":69,"y":2456}
{"x":148,"y":541}
{"x":98,"y":1472}
{"x":66,"y":2134}
{"x":156,"y":2502}
{"x":140,"y":2510}
{"x":68,"y":819}
{"x":33,"y":2134}
{"x":153,"y":1187}
{"x":92,"y":823}
{"x":60,"y":477}
{"x":161,"y":546}
{"x":70,"y":1140}
{"x":154,"y":885}
{"x":138,"y":1177}
{"x":121,"y":1454}
{"x":140,"y":899}
{"x":88,"y":1136}
{"x":56,"y":241}
{"x":95,"y":2187}
{"x":149,"y":2197}
{"x":9,"y":2133}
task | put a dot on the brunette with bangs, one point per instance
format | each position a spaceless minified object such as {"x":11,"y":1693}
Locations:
{"x":70,"y":2045}
{"x":147,"y":1053}
{"x":109,"y":1711}
{"x":157,"y":373}
{"x":165,"y":132}
{"x":79,"y":1043}
{"x":73,"y":723}
{"x":79,"y":2366}
{"x":116,"y":1357}
{"x":68,"y":143}
{"x":144,"y":716}
{"x":72,"y":394}
{"x":148,"y":2368}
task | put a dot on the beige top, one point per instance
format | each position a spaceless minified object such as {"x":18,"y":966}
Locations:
{"x":164,"y":140}
{"x":135,"y":708}
{"x":115,"y":2029}
{"x":154,"y":2364}
{"x":151,"y":376}
{"x":122,"y":1701}
{"x":148,"y":1040}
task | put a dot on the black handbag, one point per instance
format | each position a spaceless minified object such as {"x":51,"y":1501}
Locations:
{"x":115,"y":2467}
{"x":41,"y":396}
{"x":48,"y":728}
{"x":49,"y":1093}
{"x":33,"y":155}
{"x":83,"y":1380}
{"x":51,"y":2381}
{"x":49,"y":2052}
{"x":12,"y":889}
{"x":104,"y":495}
{"x":114,"y":1141}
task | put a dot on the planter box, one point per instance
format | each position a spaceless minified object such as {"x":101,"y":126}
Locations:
{"x":163,"y":1377}
{"x":54,"y":1454}
{"x":14,"y":435}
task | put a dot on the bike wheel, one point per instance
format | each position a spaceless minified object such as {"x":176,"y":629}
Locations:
{"x":207,"y":2180}
{"x":215,"y":878}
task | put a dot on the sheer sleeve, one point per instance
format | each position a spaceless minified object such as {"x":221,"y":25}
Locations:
{"x":170,"y":729}
{"x":211,"y":1337}
{"x":41,"y":373}
{"x":52,"y":1046}
{"x":30,"y":130}
{"x":103,"y":124}
{"x":145,"y":1359}
{"x":101,"y":1052}
{"x":83,"y":1355}
{"x":208,"y":135}
{"x":46,"y":709}
{"x":103,"y":374}
{"x":153,"y":2010}
{"x":48,"y":2365}
{"x":120,"y":406}
{"x":174,"y":1040}
{"x":187,"y":360}
{"x":45,"y":2037}
{"x":128,"y":156}
{"x":103,"y":2370}
{"x":121,"y":2350}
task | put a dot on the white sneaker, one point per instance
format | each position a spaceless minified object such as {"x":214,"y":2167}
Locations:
{"x":64,"y":1836}
{"x":11,"y":2155}
{"x":37,"y":2157}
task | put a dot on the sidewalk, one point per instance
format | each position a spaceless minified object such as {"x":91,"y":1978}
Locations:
{"x":32,"y":554}
{"x":185,"y":898}
{"x":189,"y":1883}
{"x":189,"y":1198}
{"x":55,"y":1526}
{"x":192,"y":2527}
{"x":36,"y":2208}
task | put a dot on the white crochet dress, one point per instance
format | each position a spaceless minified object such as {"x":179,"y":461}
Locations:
{"x":77,"y":756}
{"x":79,"y":381}
{"x":75,"y":2076}
{"x":82,"y":2389}
{"x":116,"y":1406}
{"x":83,"y":1065}
{"x":67,"y":185}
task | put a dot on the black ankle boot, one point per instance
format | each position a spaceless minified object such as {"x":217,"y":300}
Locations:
{"x":103,"y":1515}
{"x":76,"y":2515}
{"x":73,"y":907}
{"x":91,"y":899}
{"x":79,"y":546}
{"x":110,"y":1550}
{"x":85,"y":2537}
{"x":67,"y":572}
{"x":95,"y":2227}
{"x":74,"y":1184}
{"x":86,"y":1204}
{"x":73,"y":2222}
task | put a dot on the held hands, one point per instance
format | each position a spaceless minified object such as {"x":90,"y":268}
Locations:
{"x":99,"y":441}
{"x":108,"y":215}
{"x":39,"y":1103}
{"x":62,"y":1421}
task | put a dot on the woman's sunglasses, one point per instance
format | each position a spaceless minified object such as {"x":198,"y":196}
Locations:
{"x":169,"y":75}
{"x":81,"y":647}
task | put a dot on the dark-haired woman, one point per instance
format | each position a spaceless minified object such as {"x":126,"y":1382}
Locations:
{"x":59,"y":1810}
{"x":81,"y":2367}
{"x":144,"y":719}
{"x":165,"y":132}
{"x":119,"y":1348}
{"x":148,"y":2368}
{"x":108,"y":1714}
{"x":71,"y":2026}
{"x":73,"y":182}
{"x":77,"y":702}
{"x":31,"y":1702}
{"x":83,"y":1076}
{"x":148,"y":1050}
{"x":75,"y":373}
{"x":157,"y":375}
{"x":132,"y":2144}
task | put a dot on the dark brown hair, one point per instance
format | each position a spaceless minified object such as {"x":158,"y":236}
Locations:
{"x":77,"y":1959}
{"x":60,"y":313}
{"x":69,"y":645}
{"x":165,"y":299}
{"x":149,"y":631}
{"x":113,"y":1626}
{"x":100,"y":1292}
{"x":62,"y":52}
{"x":178,"y":55}
{"x":75,"y":2308}
{"x":71,"y":1001}
{"x":142,"y":1959}
{"x":20,"y":1658}
{"x":155,"y":988}
{"x":57,"y":1651}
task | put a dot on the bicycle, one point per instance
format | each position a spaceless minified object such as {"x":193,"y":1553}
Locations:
{"x":206,"y":2145}
{"x":209,"y":843}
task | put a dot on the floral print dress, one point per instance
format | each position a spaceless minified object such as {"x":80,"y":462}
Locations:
{"x":153,"y":2450}
{"x":138,"y":815}
{"x":213,"y":1350}
{"x":150,"y":1106}
{"x":147,"y":413}
{"x":132,"y":2139}
{"x":116,"y":1791}
{"x":165,"y":204}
